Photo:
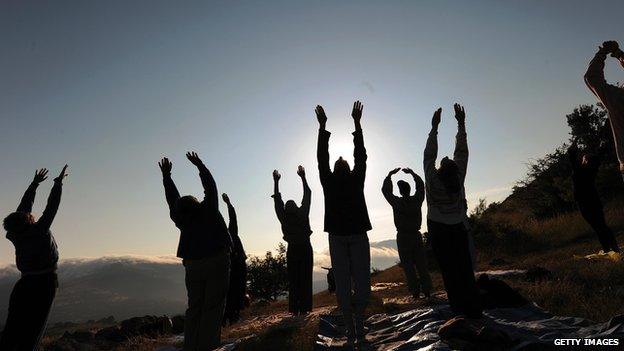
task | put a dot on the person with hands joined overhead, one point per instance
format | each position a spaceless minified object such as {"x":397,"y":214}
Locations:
{"x":611,"y":96}
{"x":408,"y":219}
{"x":237,"y":293}
{"x":295,"y":223}
{"x":36,"y":257}
{"x":347,"y":221}
{"x":446,"y":215}
{"x":204,"y":247}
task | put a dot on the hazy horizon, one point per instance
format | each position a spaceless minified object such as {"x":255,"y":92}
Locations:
{"x":111,"y":87}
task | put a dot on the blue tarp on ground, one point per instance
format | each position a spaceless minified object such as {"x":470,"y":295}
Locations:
{"x":528,"y":327}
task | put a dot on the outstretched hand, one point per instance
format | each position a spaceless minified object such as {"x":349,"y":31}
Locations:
{"x":40,"y":175}
{"x":356,"y":113}
{"x":225,"y":198}
{"x":301,"y":171}
{"x":62,"y":175}
{"x":394,"y":171}
{"x":194,"y":158}
{"x":165,"y":166}
{"x":460,"y":113}
{"x":320,"y":115}
{"x":276,"y":175}
{"x":408,"y":170}
{"x":437,"y":117}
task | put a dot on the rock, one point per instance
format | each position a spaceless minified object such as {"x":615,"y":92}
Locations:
{"x":147,"y":325}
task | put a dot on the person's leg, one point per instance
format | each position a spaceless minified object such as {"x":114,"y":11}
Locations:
{"x":306,"y":279}
{"x":442,"y":249}
{"x":605,"y":234}
{"x":42,"y":290}
{"x":292,"y":268}
{"x":360,"y":270}
{"x":406,"y":254}
{"x":216,"y":283}
{"x":339,"y":253}
{"x":195,"y":290}
{"x":420,"y":260}
{"x":467,"y":293}
{"x":594,"y":216}
{"x":15,"y":318}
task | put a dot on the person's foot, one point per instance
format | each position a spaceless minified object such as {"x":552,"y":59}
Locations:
{"x":427,"y":295}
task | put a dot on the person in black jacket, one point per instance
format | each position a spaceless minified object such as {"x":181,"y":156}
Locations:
{"x":584,"y":170}
{"x":346,"y":221}
{"x":204,"y":247}
{"x":408,"y":219}
{"x":36,"y":256}
{"x":237,"y":292}
{"x":295,"y":223}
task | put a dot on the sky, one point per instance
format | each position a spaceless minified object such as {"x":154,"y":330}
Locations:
{"x":110,"y":87}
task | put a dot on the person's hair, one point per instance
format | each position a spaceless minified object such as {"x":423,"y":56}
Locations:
{"x":341,"y":167}
{"x":290,"y":206}
{"x":17,"y":221}
{"x":448,"y":173}
{"x":404,"y":187}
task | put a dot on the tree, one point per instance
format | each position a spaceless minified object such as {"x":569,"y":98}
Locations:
{"x":268,"y":279}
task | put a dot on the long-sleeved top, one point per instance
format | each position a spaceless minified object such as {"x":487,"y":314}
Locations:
{"x":612,"y":97}
{"x":442,"y":205}
{"x":345,"y":205}
{"x":406,"y":209}
{"x":295,"y":225}
{"x":238,"y":252}
{"x":35,"y":248}
{"x":584,"y":177}
{"x":205,"y":233}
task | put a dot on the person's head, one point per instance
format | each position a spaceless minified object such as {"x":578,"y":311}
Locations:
{"x":585,"y":158}
{"x":290,"y":207}
{"x":404,"y":188}
{"x":448,"y":173}
{"x":18,"y":222}
{"x":341,"y":167}
{"x":186,"y":207}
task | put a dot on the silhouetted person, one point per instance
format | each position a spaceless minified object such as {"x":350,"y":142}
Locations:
{"x":237,"y":292}
{"x":346,"y":221}
{"x":204,"y":247}
{"x":446,"y":216}
{"x":584,"y":170}
{"x":295,"y":222}
{"x":407,"y":220}
{"x":331,"y":281}
{"x":36,"y":257}
{"x":611,"y":96}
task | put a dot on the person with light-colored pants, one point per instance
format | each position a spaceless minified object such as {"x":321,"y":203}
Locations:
{"x":350,"y":257}
{"x":207,"y":281}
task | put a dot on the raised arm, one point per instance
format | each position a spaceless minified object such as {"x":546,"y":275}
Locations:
{"x":233,"y":227}
{"x":54,"y":200}
{"x":431,"y":149}
{"x":171,"y":192}
{"x":594,"y":77}
{"x":419,"y":194}
{"x":28,"y":199}
{"x":208,"y":182}
{"x":386,"y":188}
{"x":307,"y":192}
{"x":359,"y":151}
{"x":460,"y":156}
{"x":277,"y":197}
{"x":322,"y":146}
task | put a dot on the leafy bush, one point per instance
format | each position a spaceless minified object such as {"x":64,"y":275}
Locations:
{"x":268,"y":278}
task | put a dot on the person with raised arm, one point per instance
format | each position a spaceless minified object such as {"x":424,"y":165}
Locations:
{"x":204,"y":247}
{"x":408,"y":219}
{"x":237,"y":293}
{"x":295,"y":223}
{"x":446,"y":216}
{"x":36,"y":257}
{"x":347,"y":222}
{"x":584,"y":170}
{"x":611,"y":96}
